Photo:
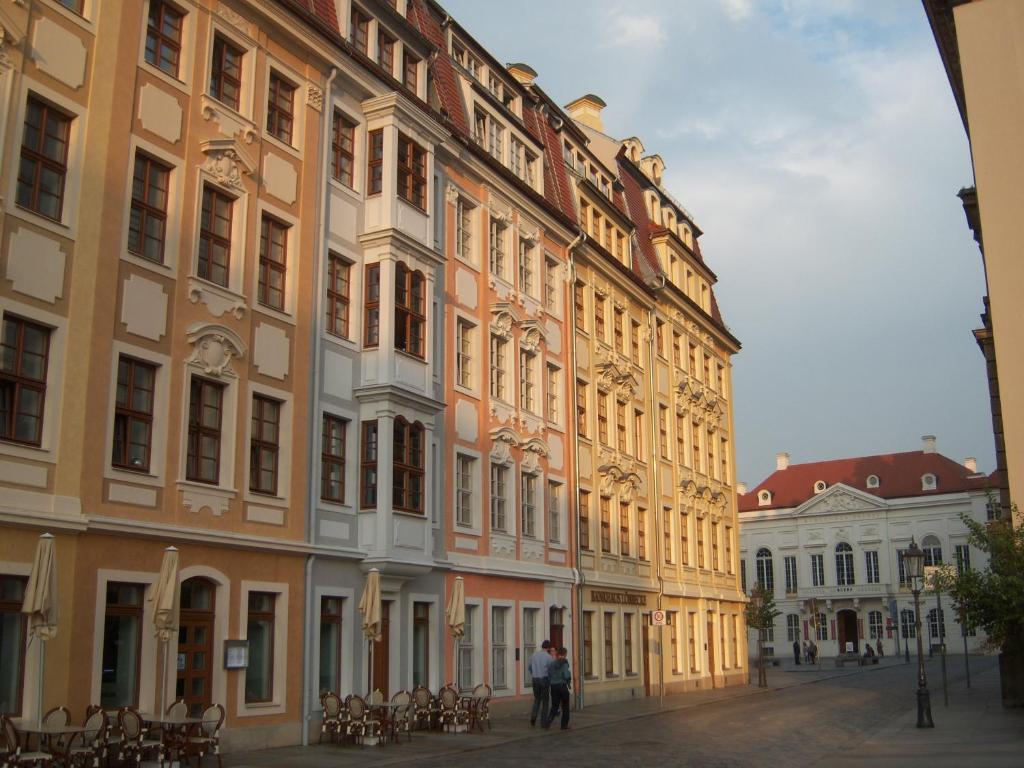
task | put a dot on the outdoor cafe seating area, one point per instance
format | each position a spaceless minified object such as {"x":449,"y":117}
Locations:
{"x":372,"y":720}
{"x":122,"y":737}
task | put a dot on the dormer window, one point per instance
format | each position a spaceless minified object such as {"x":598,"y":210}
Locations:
{"x":929,"y":482}
{"x":764,"y":498}
{"x":872,"y":481}
{"x":820,"y":486}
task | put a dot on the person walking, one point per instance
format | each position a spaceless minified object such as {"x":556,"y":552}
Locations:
{"x":560,"y":677}
{"x":796,"y":652}
{"x":539,"y":664}
{"x":807,"y":652}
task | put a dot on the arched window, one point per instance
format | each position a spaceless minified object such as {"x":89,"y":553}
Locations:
{"x":875,"y":625}
{"x":907,"y":629}
{"x":873,"y":481}
{"x":764,"y":498}
{"x":408,"y":469}
{"x":928,"y":482}
{"x":932,"y":551}
{"x":765,"y":573}
{"x":936,"y":624}
{"x":792,"y":627}
{"x":410,"y":311}
{"x":844,"y":564}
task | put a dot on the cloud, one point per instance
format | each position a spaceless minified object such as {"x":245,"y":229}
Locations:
{"x":738,"y":10}
{"x":629,"y":29}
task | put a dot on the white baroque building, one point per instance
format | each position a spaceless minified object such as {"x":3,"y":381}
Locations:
{"x":826,"y":537}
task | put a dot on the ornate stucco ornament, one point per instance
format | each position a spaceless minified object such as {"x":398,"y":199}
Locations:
{"x":533,"y":450}
{"x":503,"y":440}
{"x":214,"y":347}
{"x":227,"y":162}
{"x":503,"y":318}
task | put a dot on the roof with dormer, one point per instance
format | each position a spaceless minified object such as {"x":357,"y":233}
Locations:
{"x":899,"y":476}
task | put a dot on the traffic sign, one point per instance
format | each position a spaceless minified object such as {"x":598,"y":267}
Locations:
{"x":658,"y":618}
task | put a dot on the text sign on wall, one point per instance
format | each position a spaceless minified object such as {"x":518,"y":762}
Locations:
{"x":617,"y":597}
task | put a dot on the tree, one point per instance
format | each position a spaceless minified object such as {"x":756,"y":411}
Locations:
{"x":761,"y":613}
{"x":993,"y":599}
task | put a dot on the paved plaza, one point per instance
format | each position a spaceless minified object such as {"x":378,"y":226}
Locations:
{"x":808,"y":716}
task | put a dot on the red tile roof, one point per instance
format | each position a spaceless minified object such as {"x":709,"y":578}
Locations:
{"x":323,"y":10}
{"x":899,"y":476}
{"x":556,"y":181}
{"x":446,"y":82}
{"x":634,"y":195}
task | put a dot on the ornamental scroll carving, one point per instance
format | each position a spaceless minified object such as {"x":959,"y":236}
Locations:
{"x":532,"y":335}
{"x":622,"y":481}
{"x":214,"y":347}
{"x":227,"y":162}
{"x":314,"y":97}
{"x":502,"y":320}
{"x":503,"y":440}
{"x":533,"y":450}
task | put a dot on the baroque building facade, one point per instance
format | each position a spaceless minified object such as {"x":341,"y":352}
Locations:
{"x":826,"y":538}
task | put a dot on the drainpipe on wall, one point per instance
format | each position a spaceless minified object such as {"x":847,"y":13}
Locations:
{"x":324,"y":209}
{"x":655,"y":459}
{"x":578,"y":570}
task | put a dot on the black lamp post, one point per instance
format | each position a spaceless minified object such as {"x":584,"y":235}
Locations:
{"x":913,"y":562}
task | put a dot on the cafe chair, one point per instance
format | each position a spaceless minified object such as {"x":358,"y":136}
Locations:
{"x":16,"y":756}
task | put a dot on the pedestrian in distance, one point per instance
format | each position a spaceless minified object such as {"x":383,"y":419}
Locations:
{"x":539,"y":663}
{"x":881,"y":653}
{"x":560,"y":677}
{"x":807,"y":653}
{"x":814,"y":652}
{"x":796,"y":652}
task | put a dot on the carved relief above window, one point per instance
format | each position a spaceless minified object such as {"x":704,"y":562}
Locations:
{"x":532,"y":335}
{"x":227,"y":162}
{"x":502,"y":320}
{"x":533,"y":450}
{"x":213,"y":349}
{"x":503,"y":440}
{"x":622,"y":481}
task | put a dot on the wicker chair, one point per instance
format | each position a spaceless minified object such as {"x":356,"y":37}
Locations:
{"x":481,"y":710}
{"x":333,"y":722}
{"x":92,"y":742}
{"x":424,"y":707}
{"x":451,"y":713}
{"x":360,"y":723}
{"x":208,"y":740}
{"x":135,"y":744}
{"x":16,"y":756}
{"x":401,"y":715}
{"x":57,"y":716}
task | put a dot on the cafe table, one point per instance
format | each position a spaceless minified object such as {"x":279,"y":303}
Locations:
{"x":46,"y":732}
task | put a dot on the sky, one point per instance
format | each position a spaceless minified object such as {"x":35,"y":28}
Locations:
{"x":818,"y":147}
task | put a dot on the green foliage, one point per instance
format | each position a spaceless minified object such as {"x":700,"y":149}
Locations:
{"x":761,"y":610}
{"x":993,"y":599}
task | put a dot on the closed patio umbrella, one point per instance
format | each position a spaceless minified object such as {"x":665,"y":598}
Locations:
{"x":41,"y":605}
{"x":165,"y":598}
{"x":369,"y":606}
{"x":455,"y":617}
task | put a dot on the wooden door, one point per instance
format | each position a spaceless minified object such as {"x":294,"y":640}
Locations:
{"x":645,"y":618}
{"x":556,"y":634}
{"x":709,"y":646}
{"x":194,"y":681}
{"x":381,"y":648}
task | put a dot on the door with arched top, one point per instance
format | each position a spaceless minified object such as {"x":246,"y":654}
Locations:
{"x":846,"y":630}
{"x":195,"y":644}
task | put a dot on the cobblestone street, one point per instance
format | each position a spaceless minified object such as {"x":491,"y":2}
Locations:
{"x":806,"y":717}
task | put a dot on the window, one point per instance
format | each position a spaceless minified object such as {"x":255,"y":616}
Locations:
{"x":620,"y":322}
{"x":844,"y":564}
{"x":692,"y":369}
{"x":908,"y":627}
{"x":624,"y":534}
{"x":407,"y":486}
{"x":479,"y":126}
{"x":368,"y":465}
{"x":551,"y":293}
{"x":206,"y":402}
{"x":666,"y":517}
{"x":133,"y":414}
{"x":821,"y":628}
{"x":684,"y":537}
{"x":963,"y":558}
{"x":663,"y":431}
{"x":634,"y":341}
{"x":410,"y":310}
{"x":875,"y":630}
{"x":677,"y":354}
{"x":163,"y":36}
{"x":551,"y":391}
{"x":818,"y":570}
{"x":12,"y":643}
{"x":226,"y":73}
{"x":641,"y":533}
{"x":467,"y":651}
{"x":579,"y":307}
{"x":936,"y":624}
{"x":420,"y":643}
{"x":332,"y":459}
{"x":280,"y":109}
{"x":659,"y":337}
{"x":554,"y":501}
{"x":714,"y":545}
{"x":343,"y":142}
{"x":584,"y":519}
{"x":627,"y":641}
{"x":728,"y":549}
{"x":371,"y":330}
{"x":496,"y":140}
{"x":499,"y":648}
{"x":273,"y":262}
{"x":695,"y":446}
{"x":44,"y":159}
{"x":606,"y":524}
{"x":789,"y":565}
{"x":932,"y":551}
{"x":359,"y":31}
{"x":464,"y":490}
{"x":410,"y":70}
{"x":692,"y":641}
{"x":330,"y":644}
{"x":263,"y":445}
{"x":700,"y":542}
{"x":588,"y":643}
{"x":527,"y":385}
{"x":638,"y":435}
{"x":526,"y":276}
{"x":338,"y":286}
{"x":609,"y":644}
{"x":215,"y":237}
{"x":902,"y":570}
{"x":528,"y":490}
{"x":259,"y":675}
{"x":122,"y":645}
{"x":385,"y":50}
{"x":602,"y":417}
{"x":743,"y":575}
{"x":412,"y":172}
{"x":148,"y":218}
{"x":464,"y":229}
{"x":709,"y":446}
{"x":581,"y":409}
{"x":673,"y":620}
{"x":680,"y":438}
{"x":375,"y":162}
{"x":793,"y":627}
{"x":620,"y":427}
{"x":871,"y":565}
{"x":499,"y":497}
{"x":765,"y":573}
{"x":530,"y":616}
{"x":496,"y":261}
{"x":463,"y":353}
{"x":515,"y":160}
{"x":498,"y":373}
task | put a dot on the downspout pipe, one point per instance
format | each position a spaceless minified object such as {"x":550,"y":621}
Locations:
{"x":659,"y":548}
{"x":580,"y":239}
{"x":324,"y":209}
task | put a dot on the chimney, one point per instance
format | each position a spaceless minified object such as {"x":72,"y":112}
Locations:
{"x":587,"y":110}
{"x":928,"y":444}
{"x":972,"y":464}
{"x":524,"y":73}
{"x":741,"y":488}
{"x":781,"y":460}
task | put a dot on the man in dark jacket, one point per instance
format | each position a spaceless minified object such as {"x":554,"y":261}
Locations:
{"x":560,"y":678}
{"x":796,"y":651}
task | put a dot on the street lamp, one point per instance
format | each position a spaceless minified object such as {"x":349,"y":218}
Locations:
{"x":913,"y":562}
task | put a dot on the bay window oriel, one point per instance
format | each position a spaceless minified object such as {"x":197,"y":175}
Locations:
{"x":410,"y":310}
{"x":408,"y":469}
